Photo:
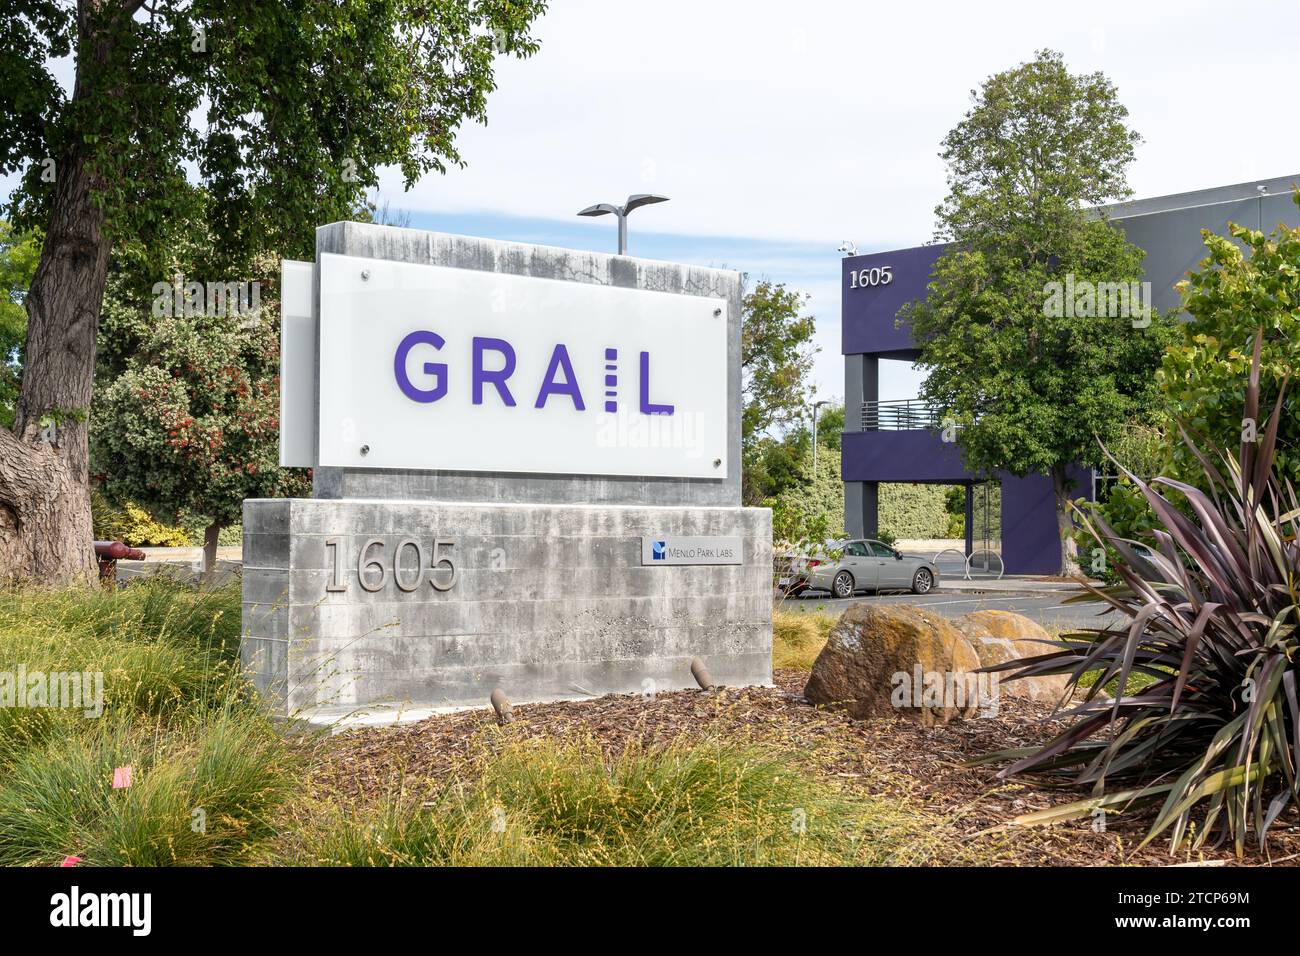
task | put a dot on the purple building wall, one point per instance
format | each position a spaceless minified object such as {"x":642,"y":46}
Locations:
{"x":869,"y":314}
{"x":1031,"y":541}
{"x":907,"y":456}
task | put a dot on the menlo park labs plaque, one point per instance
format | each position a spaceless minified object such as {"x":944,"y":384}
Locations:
{"x":525,"y":475}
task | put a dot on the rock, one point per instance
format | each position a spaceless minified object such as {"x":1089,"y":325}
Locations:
{"x":1001,"y":636}
{"x":888,"y":659}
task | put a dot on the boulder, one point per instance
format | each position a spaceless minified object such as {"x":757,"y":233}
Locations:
{"x":890,"y":659}
{"x":1001,"y":636}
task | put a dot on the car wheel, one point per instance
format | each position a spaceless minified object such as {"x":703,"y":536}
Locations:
{"x":923,"y":582}
{"x":842,"y":586}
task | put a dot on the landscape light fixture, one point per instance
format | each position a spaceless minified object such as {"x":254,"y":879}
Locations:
{"x":848,"y":247}
{"x":633,"y":202}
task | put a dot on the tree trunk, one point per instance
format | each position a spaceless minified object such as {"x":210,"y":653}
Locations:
{"x":45,"y":527}
{"x":211,"y":535}
{"x":1065,"y":523}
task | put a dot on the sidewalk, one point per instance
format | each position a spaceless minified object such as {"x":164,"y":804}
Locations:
{"x":181,"y":562}
{"x":1021,"y":584}
{"x":190,"y":555}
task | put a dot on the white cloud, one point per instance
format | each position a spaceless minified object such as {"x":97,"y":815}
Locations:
{"x":821,"y":120}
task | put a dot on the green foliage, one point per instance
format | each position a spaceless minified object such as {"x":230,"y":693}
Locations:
{"x":912,"y":511}
{"x":159,"y":644}
{"x":954,"y":503}
{"x":19,"y":253}
{"x":812,"y":510}
{"x":161,"y":649}
{"x":298,"y":105}
{"x":195,"y":526}
{"x":1037,"y":143}
{"x":770,"y":466}
{"x":774,"y":465}
{"x":804,"y":507}
{"x":189,"y":425}
{"x":229,"y":765}
{"x":543,"y":803}
{"x":986,"y":510}
{"x":132,"y":525}
{"x":1143,"y":449}
{"x":776,"y":356}
{"x":830,"y":426}
{"x":1126,"y":512}
{"x":178,"y":713}
{"x":175,"y":709}
{"x":1029,"y":391}
{"x":141,"y":530}
{"x":1229,"y":297}
{"x":1216,"y":730}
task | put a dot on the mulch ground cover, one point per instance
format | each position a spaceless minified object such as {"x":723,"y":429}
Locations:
{"x":894,"y":757}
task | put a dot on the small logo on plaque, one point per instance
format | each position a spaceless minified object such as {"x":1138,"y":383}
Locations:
{"x":673,"y":550}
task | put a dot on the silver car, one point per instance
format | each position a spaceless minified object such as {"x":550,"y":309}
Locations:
{"x":867,"y":565}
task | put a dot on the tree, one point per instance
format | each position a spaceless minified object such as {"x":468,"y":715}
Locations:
{"x":776,"y":357}
{"x":302,"y":102}
{"x":1029,"y":348}
{"x":18,"y":255}
{"x":830,"y":427}
{"x":1230,"y":298}
{"x":187,"y":414}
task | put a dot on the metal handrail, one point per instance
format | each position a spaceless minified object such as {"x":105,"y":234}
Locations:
{"x":908,"y":414}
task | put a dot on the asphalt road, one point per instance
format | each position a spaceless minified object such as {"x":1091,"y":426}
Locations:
{"x":1048,"y":609}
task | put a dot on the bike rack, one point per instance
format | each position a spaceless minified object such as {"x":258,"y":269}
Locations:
{"x":991,"y":553}
{"x":966,"y":560}
{"x":957,"y":551}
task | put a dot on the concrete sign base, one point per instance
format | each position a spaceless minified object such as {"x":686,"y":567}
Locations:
{"x":350,"y":604}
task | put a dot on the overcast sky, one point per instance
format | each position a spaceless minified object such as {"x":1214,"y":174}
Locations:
{"x":780,"y":129}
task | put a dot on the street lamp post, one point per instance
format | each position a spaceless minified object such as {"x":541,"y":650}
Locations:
{"x":633,"y":202}
{"x":816,"y":405}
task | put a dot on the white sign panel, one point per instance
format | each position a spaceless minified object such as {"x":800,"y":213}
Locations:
{"x":430,"y":367}
{"x":297,"y":366}
{"x":668,"y":549}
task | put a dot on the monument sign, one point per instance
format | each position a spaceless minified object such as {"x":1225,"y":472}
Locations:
{"x":525,"y":475}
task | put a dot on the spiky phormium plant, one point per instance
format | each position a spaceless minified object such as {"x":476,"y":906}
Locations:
{"x":1213,"y":738}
